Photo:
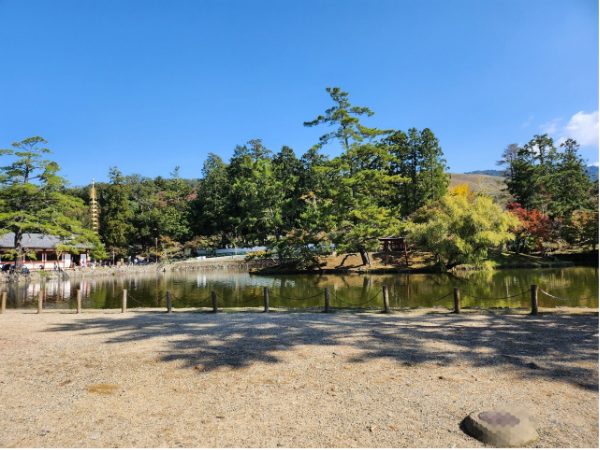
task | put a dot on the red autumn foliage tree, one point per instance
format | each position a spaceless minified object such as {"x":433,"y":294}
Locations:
{"x":533,"y":230}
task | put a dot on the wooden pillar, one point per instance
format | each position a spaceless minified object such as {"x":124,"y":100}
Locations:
{"x":40,"y":301}
{"x":386,"y":299}
{"x":169,"y":303}
{"x":3,"y":307}
{"x":534,"y":299}
{"x":327,"y":302}
{"x":78,"y":301}
{"x":266,"y":298}
{"x":456,"y":301}
{"x":124,"y":301}
{"x":213,"y":296}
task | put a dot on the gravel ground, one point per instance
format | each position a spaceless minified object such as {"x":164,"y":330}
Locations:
{"x":149,"y":379}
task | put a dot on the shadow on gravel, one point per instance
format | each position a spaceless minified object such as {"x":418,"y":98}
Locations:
{"x":544,"y":346}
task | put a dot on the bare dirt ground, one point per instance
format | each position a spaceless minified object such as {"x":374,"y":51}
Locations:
{"x":150,"y":379}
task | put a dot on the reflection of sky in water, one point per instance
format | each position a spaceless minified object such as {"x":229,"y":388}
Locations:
{"x":482,"y":289}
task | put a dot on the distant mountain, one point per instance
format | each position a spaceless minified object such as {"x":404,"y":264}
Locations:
{"x":493,"y":173}
{"x":592,"y":172}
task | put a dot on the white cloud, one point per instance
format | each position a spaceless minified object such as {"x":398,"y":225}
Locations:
{"x":583,"y":127}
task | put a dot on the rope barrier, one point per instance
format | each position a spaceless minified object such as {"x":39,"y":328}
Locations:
{"x":340,"y":301}
{"x":349,"y":304}
{"x":466,"y":294}
{"x":560,"y":298}
{"x":281,"y":297}
{"x":443,"y":297}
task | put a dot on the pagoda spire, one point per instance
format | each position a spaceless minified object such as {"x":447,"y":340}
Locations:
{"x":94,"y":207}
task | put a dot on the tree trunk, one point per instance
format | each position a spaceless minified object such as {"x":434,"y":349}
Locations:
{"x":19,"y":251}
{"x":18,"y":248}
{"x":364,"y":256}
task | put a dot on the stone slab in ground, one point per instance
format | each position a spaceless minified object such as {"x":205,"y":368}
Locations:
{"x":504,"y":427}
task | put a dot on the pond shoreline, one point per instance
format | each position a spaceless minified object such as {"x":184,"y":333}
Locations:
{"x":274,"y":270}
{"x":237,"y":263}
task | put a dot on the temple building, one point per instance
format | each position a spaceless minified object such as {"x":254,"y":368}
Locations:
{"x":47,"y":256}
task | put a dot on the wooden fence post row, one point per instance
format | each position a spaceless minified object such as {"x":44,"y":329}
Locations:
{"x":266,"y":298}
{"x":40,"y":302}
{"x":213,"y":296}
{"x":386,"y":300}
{"x":78,"y":301}
{"x":534,"y":299}
{"x":169,"y":303}
{"x":327,"y":302}
{"x":456,"y":301}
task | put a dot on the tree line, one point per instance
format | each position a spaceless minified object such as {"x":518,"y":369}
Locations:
{"x":382,"y":183}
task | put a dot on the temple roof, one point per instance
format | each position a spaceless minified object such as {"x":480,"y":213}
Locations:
{"x":34,"y":240}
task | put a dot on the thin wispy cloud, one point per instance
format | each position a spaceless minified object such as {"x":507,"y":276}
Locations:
{"x":552,"y":126}
{"x":528,"y":122}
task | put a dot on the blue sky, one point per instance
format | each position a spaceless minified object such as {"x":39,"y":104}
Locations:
{"x":149,"y":85}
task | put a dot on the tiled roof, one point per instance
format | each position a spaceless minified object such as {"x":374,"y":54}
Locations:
{"x":33,"y":240}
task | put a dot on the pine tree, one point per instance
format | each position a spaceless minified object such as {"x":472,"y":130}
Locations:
{"x":116,"y":214}
{"x":33,"y":200}
{"x":417,"y":157}
{"x":570,"y":183}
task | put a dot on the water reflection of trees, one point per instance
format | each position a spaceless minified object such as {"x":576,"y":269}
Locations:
{"x":235,"y":289}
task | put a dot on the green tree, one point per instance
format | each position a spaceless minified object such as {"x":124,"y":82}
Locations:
{"x":173,"y":204}
{"x":116,"y":214}
{"x":363,"y":197}
{"x":418,"y":158}
{"x":209,"y":209}
{"x":359,"y":181}
{"x":346,"y":118}
{"x":533,"y":183}
{"x":256,"y":196}
{"x":569,"y":180}
{"x":33,"y":200}
{"x":460,"y":229}
{"x":287,"y":170}
{"x":509,"y":156}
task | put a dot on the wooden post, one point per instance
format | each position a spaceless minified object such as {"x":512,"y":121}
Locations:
{"x":3,"y":307}
{"x":386,"y":299}
{"x":327,"y":304}
{"x":534,"y":299}
{"x":169,"y":303}
{"x":78,"y":301}
{"x":213,"y":296}
{"x":456,"y":301}
{"x":266,"y":297}
{"x":40,"y":301}
{"x":124,"y":301}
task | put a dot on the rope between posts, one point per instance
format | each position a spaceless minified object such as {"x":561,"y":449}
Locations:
{"x":348,"y":304}
{"x":135,"y":300}
{"x":443,"y":297}
{"x":495,"y":298}
{"x":560,"y":298}
{"x":281,"y":297}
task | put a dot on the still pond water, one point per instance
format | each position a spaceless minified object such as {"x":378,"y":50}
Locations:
{"x":576,"y":286}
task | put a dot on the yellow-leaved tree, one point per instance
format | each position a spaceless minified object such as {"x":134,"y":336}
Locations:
{"x":461,"y":227}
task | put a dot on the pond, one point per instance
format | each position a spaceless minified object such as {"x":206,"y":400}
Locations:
{"x":574,"y":286}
